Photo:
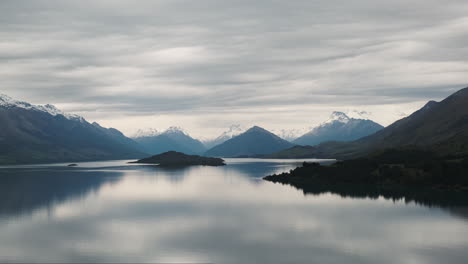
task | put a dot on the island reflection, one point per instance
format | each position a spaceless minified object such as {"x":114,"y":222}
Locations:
{"x":211,"y":215}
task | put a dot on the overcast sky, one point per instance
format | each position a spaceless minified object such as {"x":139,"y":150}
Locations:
{"x":204,"y":65}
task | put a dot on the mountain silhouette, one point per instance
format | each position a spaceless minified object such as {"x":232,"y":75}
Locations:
{"x":38,"y":134}
{"x":339,"y":127}
{"x":440,"y":127}
{"x":254,"y":141}
{"x":173,"y":139}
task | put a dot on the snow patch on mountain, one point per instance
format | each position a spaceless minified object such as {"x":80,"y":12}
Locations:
{"x":345,"y":117}
{"x":359,"y":114}
{"x":153,"y":132}
{"x":233,"y":131}
{"x":340,"y":127}
{"x":175,"y":130}
{"x":337,"y":117}
{"x":8,"y":102}
{"x":146,"y":132}
{"x":290,"y":134}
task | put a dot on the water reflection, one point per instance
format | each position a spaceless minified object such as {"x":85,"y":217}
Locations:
{"x":453,"y":200}
{"x":23,"y":191}
{"x":206,"y":214}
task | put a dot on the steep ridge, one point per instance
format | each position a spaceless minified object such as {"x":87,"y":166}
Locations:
{"x":441,"y":127}
{"x":339,"y":127}
{"x":36,"y":134}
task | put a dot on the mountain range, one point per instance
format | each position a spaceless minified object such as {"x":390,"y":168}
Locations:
{"x":145,"y":132}
{"x":42,"y":133}
{"x":35,"y":134}
{"x":290,"y":134}
{"x":233,"y":131}
{"x":173,"y":139}
{"x":339,"y":127}
{"x":440,"y":127}
{"x":254,"y":141}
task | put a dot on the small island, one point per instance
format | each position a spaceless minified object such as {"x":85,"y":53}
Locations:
{"x":178,"y":159}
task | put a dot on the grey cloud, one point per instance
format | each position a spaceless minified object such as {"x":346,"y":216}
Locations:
{"x":156,"y":56}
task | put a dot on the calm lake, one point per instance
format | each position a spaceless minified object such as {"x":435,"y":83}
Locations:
{"x":116,"y":212}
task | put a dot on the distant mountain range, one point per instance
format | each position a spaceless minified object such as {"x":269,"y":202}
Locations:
{"x":233,"y":131}
{"x":339,"y":127}
{"x":173,"y":139}
{"x":290,"y":134}
{"x":35,"y":134}
{"x":440,"y":127}
{"x":254,"y":141}
{"x":146,"y":132}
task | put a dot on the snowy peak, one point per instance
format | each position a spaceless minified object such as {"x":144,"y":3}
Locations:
{"x":146,"y":132}
{"x":8,"y":102}
{"x":291,"y":134}
{"x":359,"y":114}
{"x":172,"y":139}
{"x":175,"y":130}
{"x":233,"y":131}
{"x":153,"y":132}
{"x":340,"y":127}
{"x":344,"y":118}
{"x":338,"y":117}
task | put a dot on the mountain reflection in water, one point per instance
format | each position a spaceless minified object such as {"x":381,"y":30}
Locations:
{"x":116,"y":212}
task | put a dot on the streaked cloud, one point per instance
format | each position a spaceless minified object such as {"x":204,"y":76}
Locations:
{"x":204,"y":65}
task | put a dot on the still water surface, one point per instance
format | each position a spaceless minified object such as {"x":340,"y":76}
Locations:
{"x":116,"y":212}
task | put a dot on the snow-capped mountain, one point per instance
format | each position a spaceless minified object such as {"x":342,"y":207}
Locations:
{"x":175,"y":130}
{"x":337,"y":117}
{"x":8,"y":102}
{"x":339,"y":127}
{"x":290,"y":134}
{"x":172,"y":139}
{"x":233,"y":131}
{"x":359,"y":114}
{"x":34,"y":133}
{"x":146,"y":132}
{"x":437,"y":127}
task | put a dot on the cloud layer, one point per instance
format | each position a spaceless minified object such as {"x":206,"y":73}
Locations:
{"x":206,"y":64}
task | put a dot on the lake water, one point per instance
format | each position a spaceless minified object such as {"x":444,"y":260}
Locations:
{"x":116,"y":212}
